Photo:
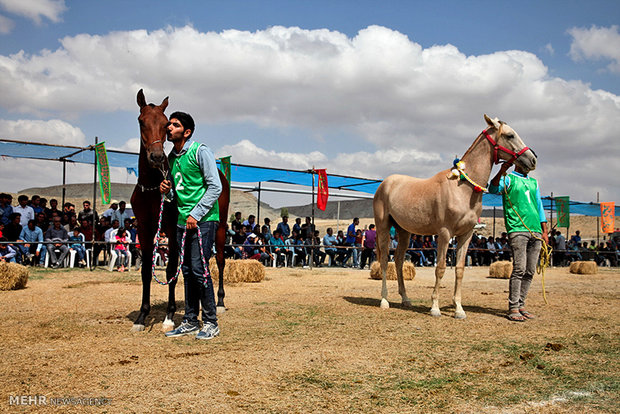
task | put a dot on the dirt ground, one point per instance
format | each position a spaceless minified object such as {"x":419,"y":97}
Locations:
{"x":313,"y":341}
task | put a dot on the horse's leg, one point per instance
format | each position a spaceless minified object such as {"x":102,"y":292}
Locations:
{"x":383,"y":251}
{"x":461,"y":253}
{"x":443,"y":240}
{"x":399,"y":258}
{"x":220,"y":242}
{"x":145,"y":308}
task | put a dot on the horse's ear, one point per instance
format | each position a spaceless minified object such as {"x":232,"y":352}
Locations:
{"x":164,"y":104}
{"x":141,"y":99}
{"x":492,"y":122}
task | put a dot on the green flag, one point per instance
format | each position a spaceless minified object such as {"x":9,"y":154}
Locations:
{"x":104,"y":172}
{"x":225,"y":167}
{"x":562,"y":206}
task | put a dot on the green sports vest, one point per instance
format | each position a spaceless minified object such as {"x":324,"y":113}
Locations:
{"x":521,"y":196}
{"x":189,"y":185}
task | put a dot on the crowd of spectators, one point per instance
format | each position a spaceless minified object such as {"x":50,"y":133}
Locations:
{"x":32,"y":230}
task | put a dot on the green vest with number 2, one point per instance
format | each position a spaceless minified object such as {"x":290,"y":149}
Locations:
{"x":189,"y":185}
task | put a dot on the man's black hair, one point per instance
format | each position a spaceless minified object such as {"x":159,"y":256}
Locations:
{"x":186,"y":120}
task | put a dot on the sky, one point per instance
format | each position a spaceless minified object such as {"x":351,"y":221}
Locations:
{"x":362,"y":88}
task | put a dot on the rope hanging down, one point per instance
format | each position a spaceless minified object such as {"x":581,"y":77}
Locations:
{"x":181,"y":251}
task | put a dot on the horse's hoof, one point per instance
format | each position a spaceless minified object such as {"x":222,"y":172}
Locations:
{"x":407,"y":303}
{"x":167,"y":325}
{"x":460,"y":315}
{"x":220,"y":310}
{"x":385,"y":304}
{"x":435,"y":313}
{"x":137,"y":328}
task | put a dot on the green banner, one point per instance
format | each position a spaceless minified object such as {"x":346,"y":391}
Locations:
{"x":225,"y":167}
{"x":104,"y":172}
{"x":562,"y":206}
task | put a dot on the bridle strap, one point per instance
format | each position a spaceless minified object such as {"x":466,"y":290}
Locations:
{"x":497,"y":148}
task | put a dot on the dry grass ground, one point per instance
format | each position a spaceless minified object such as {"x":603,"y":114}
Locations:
{"x":316,"y":341}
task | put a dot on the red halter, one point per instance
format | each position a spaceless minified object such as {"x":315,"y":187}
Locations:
{"x":497,"y":148}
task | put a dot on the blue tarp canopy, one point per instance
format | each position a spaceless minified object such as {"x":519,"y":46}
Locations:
{"x":240,"y":173}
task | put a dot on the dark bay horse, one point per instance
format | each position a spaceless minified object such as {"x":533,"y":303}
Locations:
{"x":146,"y":202}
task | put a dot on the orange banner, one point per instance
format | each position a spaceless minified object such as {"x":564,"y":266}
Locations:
{"x":608,"y":217}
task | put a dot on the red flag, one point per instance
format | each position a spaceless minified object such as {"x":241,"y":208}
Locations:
{"x":323,"y":193}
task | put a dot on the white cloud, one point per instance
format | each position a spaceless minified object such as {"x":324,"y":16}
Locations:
{"x":6,"y":25}
{"x":549,"y":49}
{"x":131,"y":145}
{"x":380,"y":87}
{"x":35,"y":10}
{"x":596,"y":43}
{"x":54,"y":131}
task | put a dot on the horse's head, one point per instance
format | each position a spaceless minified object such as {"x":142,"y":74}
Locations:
{"x":508,"y":145}
{"x":153,"y":130}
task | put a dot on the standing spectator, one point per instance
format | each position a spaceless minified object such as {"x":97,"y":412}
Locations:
{"x":369,"y":243}
{"x":236,"y":223}
{"x":329,"y":243}
{"x":526,"y":225}
{"x":55,"y":237}
{"x":285,"y":229}
{"x":307,"y":229}
{"x":297,"y":226}
{"x":110,"y":211}
{"x":5,"y":208}
{"x":350,"y":242}
{"x":35,"y":203}
{"x":27,"y":213}
{"x":77,"y":245}
{"x":68,"y":210}
{"x":33,"y":250}
{"x":576,"y":238}
{"x":121,"y":214}
{"x":87,"y":214}
{"x":49,"y":212}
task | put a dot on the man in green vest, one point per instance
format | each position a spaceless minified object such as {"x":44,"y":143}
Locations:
{"x":195,"y":185}
{"x":526,"y":225}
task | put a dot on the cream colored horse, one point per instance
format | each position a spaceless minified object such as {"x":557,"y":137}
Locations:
{"x":444,"y":205}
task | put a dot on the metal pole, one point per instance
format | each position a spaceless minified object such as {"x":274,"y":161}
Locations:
{"x":493,"y":221}
{"x":597,"y":221}
{"x":258,"y":209}
{"x":311,"y":229}
{"x":551,"y":219}
{"x":64,"y":182}
{"x":92,"y":244}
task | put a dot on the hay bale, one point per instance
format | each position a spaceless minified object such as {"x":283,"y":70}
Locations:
{"x":236,"y":271}
{"x":584,"y":268}
{"x":501,"y":269}
{"x":13,"y":276}
{"x":408,"y":271}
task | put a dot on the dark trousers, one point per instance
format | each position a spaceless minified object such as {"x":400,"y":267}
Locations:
{"x":198,"y":290}
{"x":367,"y":254}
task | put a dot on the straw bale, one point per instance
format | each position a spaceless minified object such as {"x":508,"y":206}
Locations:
{"x":584,"y":268}
{"x":236,"y":271}
{"x":408,"y":271}
{"x":501,"y":269}
{"x":13,"y":276}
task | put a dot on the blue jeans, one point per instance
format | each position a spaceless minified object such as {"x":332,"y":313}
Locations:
{"x":197,"y":292}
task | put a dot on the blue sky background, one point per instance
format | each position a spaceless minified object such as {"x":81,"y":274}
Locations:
{"x":551,"y":69}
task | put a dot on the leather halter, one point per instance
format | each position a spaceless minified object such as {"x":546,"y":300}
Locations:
{"x":497,"y":148}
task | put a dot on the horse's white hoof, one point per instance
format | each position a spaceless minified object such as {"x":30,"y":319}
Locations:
{"x":385,"y":304}
{"x":167,"y":325}
{"x":220,"y":310}
{"x":436,"y":313}
{"x":137,"y":328}
{"x":460,"y":315}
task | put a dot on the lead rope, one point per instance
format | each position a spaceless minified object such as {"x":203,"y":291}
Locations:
{"x":545,"y":252}
{"x":181,"y":251}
